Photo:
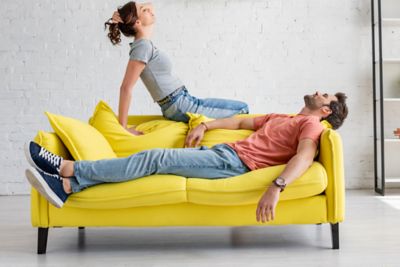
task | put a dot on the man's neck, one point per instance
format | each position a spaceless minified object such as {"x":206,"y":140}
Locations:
{"x":308,"y":112}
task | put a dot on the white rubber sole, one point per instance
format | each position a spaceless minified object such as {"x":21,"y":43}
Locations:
{"x":37,"y":182}
{"x":29,"y":157}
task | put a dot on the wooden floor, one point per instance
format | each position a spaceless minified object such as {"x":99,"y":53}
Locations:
{"x":370,"y":236}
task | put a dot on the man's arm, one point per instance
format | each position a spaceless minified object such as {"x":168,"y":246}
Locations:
{"x":296,"y":166}
{"x":231,"y":124}
{"x":196,"y":135}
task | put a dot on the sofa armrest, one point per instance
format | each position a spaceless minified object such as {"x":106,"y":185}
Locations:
{"x":39,"y":205}
{"x":39,"y":210}
{"x":331,"y":157}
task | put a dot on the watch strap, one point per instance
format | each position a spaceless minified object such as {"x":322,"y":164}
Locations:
{"x":282,"y":187}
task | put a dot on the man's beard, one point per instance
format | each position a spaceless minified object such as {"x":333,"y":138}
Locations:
{"x":310,"y":102}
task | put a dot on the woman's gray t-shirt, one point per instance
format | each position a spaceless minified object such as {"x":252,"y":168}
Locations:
{"x":157,"y":75}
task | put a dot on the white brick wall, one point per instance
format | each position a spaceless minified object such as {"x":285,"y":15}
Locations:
{"x":55,"y":57}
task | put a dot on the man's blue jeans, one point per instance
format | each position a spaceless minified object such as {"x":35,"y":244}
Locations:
{"x":183,"y":102}
{"x":220,"y":161}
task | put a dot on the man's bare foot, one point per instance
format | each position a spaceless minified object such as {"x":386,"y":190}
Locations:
{"x":67,"y":168}
{"x":67,"y":185}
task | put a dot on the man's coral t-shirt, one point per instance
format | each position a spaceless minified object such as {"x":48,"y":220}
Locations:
{"x":276,"y":138}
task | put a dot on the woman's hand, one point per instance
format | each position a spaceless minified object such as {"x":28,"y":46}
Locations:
{"x":116,"y":18}
{"x":133,"y":131}
{"x":195,"y":136}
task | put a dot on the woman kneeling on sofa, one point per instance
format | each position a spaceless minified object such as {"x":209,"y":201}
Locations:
{"x":278,"y":139}
{"x":153,"y":66}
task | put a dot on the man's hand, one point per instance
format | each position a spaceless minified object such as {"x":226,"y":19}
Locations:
{"x":267,"y":204}
{"x":133,"y":131}
{"x":195,"y":136}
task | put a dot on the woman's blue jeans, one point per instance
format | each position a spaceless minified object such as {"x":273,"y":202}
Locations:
{"x":183,"y":102}
{"x":220,"y":161}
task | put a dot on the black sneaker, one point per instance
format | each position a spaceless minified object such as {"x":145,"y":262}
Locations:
{"x":42,"y":159}
{"x":48,"y":185}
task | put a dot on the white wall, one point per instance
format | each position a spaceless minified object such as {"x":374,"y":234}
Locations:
{"x":54,"y":56}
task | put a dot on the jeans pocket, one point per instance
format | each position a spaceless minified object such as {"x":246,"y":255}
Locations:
{"x":170,"y":111}
{"x":175,"y":114}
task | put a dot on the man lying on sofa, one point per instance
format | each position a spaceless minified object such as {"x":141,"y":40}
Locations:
{"x":278,"y":139}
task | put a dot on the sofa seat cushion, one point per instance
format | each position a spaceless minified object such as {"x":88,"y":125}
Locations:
{"x":146,"y":191}
{"x":248,"y":188}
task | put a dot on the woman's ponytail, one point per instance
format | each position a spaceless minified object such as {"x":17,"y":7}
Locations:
{"x":114,"y":32}
{"x":123,"y":22}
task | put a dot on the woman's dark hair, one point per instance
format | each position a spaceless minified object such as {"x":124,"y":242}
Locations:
{"x":339,"y":111}
{"x":128,"y":14}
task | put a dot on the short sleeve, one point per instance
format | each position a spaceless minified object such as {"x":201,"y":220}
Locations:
{"x":260,"y":121}
{"x":141,"y":51}
{"x":311,"y":129}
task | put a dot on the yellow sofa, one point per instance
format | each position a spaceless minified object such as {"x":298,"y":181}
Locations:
{"x":167,"y":200}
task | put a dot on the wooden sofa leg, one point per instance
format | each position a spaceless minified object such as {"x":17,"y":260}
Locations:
{"x":335,"y":235}
{"x":81,"y":228}
{"x":42,"y":240}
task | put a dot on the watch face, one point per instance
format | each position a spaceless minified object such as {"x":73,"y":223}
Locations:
{"x":280,"y":181}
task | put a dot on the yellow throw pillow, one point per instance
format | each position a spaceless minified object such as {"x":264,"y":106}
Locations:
{"x":83,"y":141}
{"x":218,"y":136}
{"x":157,"y":133}
{"x":52,"y":143}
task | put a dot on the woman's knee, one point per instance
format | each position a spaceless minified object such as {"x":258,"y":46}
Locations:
{"x":244,"y":109}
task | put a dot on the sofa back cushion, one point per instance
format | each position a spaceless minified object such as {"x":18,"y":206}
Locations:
{"x":82,"y":140}
{"x":157,"y":133}
{"x":218,"y":136}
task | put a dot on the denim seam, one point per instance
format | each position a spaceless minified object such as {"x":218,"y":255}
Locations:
{"x":196,"y":166}
{"x":76,"y":175}
{"x":206,"y":106}
{"x":75,"y":186}
{"x":220,"y":108}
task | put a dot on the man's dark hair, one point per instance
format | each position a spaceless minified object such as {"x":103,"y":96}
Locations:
{"x":339,"y":111}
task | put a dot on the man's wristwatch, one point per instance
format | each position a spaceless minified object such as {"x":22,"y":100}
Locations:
{"x":280,"y":182}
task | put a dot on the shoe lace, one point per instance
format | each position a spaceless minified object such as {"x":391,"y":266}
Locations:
{"x":56,"y":176}
{"x":54,"y":159}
